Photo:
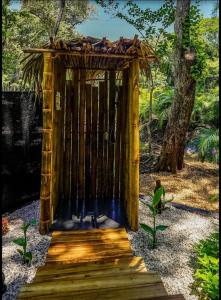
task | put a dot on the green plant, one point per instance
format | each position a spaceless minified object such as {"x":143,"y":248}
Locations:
{"x":156,"y":198}
{"x":206,"y":275}
{"x":27,"y":256}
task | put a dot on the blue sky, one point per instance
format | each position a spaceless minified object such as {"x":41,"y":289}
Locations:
{"x":105,"y":25}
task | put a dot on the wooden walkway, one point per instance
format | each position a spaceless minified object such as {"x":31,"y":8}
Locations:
{"x":94,"y":264}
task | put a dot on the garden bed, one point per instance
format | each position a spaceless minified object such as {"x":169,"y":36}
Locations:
{"x":174,"y":253}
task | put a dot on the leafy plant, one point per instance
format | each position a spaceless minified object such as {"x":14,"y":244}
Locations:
{"x":156,"y":198}
{"x":206,"y":140}
{"x":206,"y":276}
{"x":26,"y":255}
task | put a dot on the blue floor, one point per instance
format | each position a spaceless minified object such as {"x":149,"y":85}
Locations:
{"x":101,"y":214}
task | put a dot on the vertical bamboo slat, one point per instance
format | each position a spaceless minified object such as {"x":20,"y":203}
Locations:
{"x":135,"y":155}
{"x":112,"y":91}
{"x":118,"y":146}
{"x":88,"y":148}
{"x":81,"y":170}
{"x":61,"y":147}
{"x":100,"y":187}
{"x":106,"y":120}
{"x":123,"y":104}
{"x":75,"y":138}
{"x":46,"y":164}
{"x":67,"y":154}
{"x":94,"y":143}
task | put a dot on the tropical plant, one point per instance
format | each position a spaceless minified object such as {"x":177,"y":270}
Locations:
{"x":153,"y":206}
{"x":206,"y":269}
{"x":26,"y":255}
{"x":206,"y":141}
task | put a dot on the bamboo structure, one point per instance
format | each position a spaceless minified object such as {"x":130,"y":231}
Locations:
{"x":46,"y":163}
{"x":90,"y":147}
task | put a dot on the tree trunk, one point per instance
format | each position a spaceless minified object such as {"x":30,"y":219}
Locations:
{"x":172,"y":152}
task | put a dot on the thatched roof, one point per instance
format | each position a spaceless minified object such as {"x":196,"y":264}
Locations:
{"x":89,"y":53}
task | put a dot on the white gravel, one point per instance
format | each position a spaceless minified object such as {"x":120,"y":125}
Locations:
{"x":16,"y":273}
{"x":172,"y":256}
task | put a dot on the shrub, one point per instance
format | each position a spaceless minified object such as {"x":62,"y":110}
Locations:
{"x":206,"y":269}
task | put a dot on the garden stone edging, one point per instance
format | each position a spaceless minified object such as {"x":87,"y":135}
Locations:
{"x":188,"y":208}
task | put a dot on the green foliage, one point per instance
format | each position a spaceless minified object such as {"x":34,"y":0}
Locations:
{"x":206,"y":141}
{"x":32,"y":26}
{"x":26,"y":255}
{"x":155,"y":199}
{"x":206,"y":269}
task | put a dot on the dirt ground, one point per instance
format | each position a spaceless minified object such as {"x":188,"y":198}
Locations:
{"x":196,"y":185}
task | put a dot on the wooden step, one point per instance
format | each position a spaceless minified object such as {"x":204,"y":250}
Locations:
{"x":82,"y":270}
{"x":88,"y":245}
{"x":120,"y":286}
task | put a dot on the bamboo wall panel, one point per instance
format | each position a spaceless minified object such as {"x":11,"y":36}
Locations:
{"x":88,"y":147}
{"x":94,"y":143}
{"x":75,"y":139}
{"x":100,"y":165}
{"x":46,"y":164}
{"x":81,"y":170}
{"x":112,"y":92}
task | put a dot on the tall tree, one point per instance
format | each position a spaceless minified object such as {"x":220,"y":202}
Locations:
{"x":172,"y":152}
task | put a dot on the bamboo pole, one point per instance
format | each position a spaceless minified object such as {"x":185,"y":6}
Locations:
{"x":126,"y":145}
{"x":81,"y":170}
{"x":106,"y":121}
{"x":46,"y":163}
{"x":124,"y":137}
{"x":94,"y":143}
{"x":134,"y":144}
{"x":118,"y":146}
{"x":112,"y":91}
{"x":88,"y":147}
{"x":62,"y":129}
{"x":101,"y":141}
{"x":75,"y":138}
{"x":67,"y":154}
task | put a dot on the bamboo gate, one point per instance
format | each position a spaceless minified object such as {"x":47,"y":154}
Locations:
{"x":90,"y":147}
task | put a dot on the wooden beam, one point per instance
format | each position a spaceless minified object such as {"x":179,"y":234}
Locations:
{"x":46,"y":163}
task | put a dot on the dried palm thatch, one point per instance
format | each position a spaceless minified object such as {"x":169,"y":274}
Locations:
{"x":88,"y":53}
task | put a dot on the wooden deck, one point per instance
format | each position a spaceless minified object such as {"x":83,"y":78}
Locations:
{"x":94,"y":264}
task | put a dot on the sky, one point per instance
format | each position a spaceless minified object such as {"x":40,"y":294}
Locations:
{"x":104,"y":25}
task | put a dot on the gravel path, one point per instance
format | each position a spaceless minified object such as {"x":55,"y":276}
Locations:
{"x":171,"y":258}
{"x":15,"y":272}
